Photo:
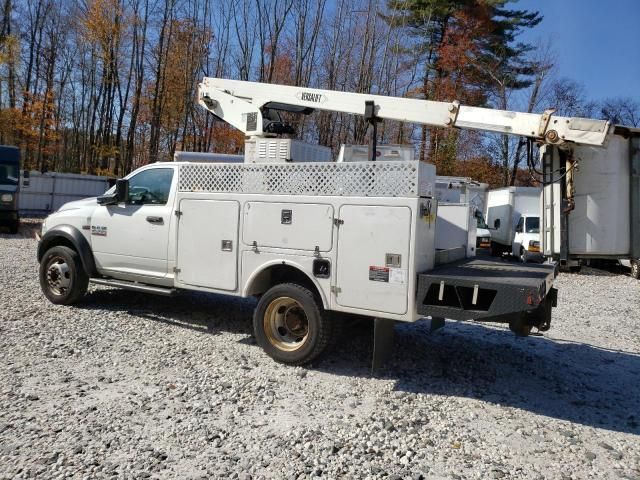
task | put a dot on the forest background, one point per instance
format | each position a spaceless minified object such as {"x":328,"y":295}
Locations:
{"x":105,"y":86}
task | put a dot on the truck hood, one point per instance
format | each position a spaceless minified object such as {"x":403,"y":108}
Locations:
{"x":85,"y":202}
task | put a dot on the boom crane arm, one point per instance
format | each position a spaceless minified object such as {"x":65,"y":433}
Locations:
{"x":242,"y":104}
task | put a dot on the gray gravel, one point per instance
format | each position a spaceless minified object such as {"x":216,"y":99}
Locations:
{"x":133,"y":386}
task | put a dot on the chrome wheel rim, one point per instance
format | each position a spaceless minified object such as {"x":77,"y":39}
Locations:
{"x":58,"y":276}
{"x":286,"y":324}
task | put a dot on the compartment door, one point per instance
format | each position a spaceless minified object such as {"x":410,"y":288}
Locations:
{"x":373,"y":258}
{"x":208,"y":243}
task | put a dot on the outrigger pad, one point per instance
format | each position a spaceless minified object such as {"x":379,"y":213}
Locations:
{"x":383,"y":337}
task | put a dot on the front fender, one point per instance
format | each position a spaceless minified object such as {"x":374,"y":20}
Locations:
{"x":69,"y":234}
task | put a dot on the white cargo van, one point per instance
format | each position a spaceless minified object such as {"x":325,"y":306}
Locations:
{"x":513,"y":215}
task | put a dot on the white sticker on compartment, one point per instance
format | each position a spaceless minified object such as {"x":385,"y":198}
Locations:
{"x":398,"y":275}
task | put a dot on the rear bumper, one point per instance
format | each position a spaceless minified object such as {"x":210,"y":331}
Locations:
{"x":485,"y":290}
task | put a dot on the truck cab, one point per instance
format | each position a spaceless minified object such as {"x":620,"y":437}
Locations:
{"x":526,"y":242}
{"x":483,"y":234}
{"x":9,"y":187}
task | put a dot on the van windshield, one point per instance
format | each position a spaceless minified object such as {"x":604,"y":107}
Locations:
{"x":9,"y":174}
{"x":532,"y":225}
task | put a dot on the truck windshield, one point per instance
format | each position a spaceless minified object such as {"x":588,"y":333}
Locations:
{"x":532,"y":224}
{"x":9,"y":174}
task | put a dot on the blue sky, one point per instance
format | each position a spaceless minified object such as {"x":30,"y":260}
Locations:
{"x":597,"y":42}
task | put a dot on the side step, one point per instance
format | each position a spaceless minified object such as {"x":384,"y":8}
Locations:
{"x":135,"y":286}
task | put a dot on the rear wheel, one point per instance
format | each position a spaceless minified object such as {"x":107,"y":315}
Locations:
{"x":290,"y":324}
{"x":496,"y":249}
{"x":13,"y":228}
{"x":62,"y":276}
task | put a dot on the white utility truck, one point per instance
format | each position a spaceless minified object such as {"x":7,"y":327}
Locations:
{"x":307,"y":238}
{"x":513,"y":215}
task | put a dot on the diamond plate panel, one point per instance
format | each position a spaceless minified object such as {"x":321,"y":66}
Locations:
{"x":375,"y":179}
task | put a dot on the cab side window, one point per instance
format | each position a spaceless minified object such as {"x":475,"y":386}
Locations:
{"x":150,"y":187}
{"x":520,"y":225}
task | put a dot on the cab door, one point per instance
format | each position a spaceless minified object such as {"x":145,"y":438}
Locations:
{"x":518,"y":237}
{"x":131,"y":239}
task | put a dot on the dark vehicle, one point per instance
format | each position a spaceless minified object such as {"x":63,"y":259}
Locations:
{"x":9,"y":186}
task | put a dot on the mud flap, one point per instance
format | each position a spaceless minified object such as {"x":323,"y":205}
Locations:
{"x":383,"y":339}
{"x":436,"y":324}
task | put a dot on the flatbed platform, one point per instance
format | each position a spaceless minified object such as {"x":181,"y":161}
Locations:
{"x":485,"y":289}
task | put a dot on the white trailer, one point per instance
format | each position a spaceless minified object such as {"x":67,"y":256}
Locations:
{"x":591,"y":202}
{"x":513,"y":216}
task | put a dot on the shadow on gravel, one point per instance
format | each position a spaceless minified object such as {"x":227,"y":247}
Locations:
{"x":561,"y":379}
{"x":206,"y":313}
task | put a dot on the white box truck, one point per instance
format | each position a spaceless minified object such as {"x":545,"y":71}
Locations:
{"x":513,"y":215}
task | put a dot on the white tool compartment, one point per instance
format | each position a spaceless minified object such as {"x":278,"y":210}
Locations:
{"x":207,"y":243}
{"x":456,"y":227}
{"x":373,"y":257}
{"x":299,"y":226}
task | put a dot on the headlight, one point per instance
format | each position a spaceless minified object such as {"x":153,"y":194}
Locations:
{"x":6,"y":197}
{"x":534,"y":246}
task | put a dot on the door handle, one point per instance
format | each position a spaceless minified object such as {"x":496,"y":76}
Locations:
{"x":155,"y":220}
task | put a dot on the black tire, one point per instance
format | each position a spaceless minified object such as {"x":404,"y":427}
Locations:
{"x":635,"y":269}
{"x":575,"y":269}
{"x":63,"y":279}
{"x":523,"y":258}
{"x":496,"y":249}
{"x":279,"y":325}
{"x":13,"y":228}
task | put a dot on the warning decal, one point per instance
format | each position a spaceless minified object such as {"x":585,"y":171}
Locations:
{"x":378,"y":274}
{"x":397,"y":275}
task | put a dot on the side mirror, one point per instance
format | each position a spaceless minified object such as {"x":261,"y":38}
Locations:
{"x":26,"y":175}
{"x":496,"y":224}
{"x":121,"y":194}
{"x":122,"y":190}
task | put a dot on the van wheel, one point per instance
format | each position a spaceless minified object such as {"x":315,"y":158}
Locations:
{"x":523,"y":257}
{"x":13,"y":228}
{"x":290,"y":324}
{"x":496,"y":250}
{"x":62,"y":276}
{"x":635,"y":269}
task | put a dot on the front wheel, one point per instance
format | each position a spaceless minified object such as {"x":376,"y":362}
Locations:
{"x":635,"y":269}
{"x":62,"y":276}
{"x":290,"y":324}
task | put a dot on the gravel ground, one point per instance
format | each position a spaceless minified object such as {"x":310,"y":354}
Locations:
{"x":133,"y":386}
